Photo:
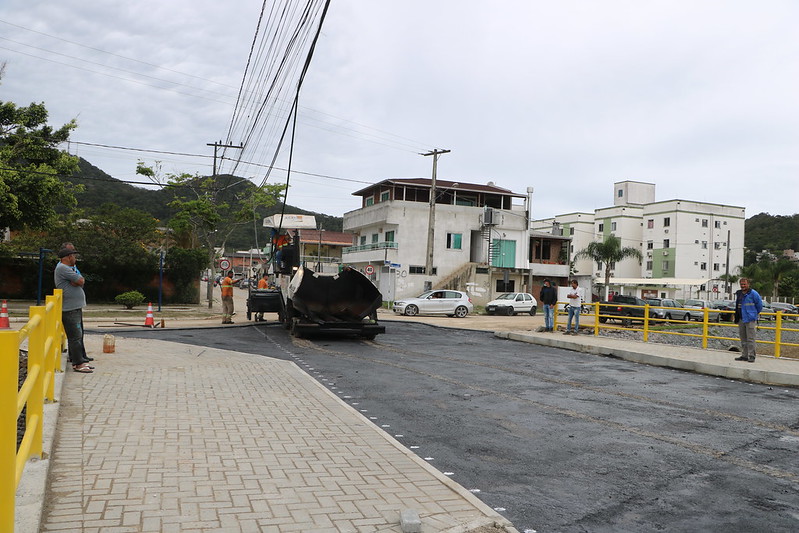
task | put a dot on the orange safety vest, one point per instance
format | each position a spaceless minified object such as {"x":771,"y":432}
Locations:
{"x":262,"y":284}
{"x":227,"y":287}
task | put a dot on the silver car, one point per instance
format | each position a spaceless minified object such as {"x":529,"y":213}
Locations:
{"x":696,"y":308}
{"x":438,"y":302}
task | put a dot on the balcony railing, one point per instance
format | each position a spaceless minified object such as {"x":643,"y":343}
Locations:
{"x":387,"y":245}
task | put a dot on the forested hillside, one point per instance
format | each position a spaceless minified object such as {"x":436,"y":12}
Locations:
{"x":101,"y":188}
{"x":772,"y":232}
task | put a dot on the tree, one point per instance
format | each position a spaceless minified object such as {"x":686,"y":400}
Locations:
{"x":209,"y":208}
{"x":30,"y":167}
{"x":608,"y":252}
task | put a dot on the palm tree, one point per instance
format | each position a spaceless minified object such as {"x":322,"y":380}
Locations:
{"x":608,"y":252}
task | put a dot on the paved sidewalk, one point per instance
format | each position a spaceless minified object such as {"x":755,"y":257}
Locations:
{"x":172,"y":437}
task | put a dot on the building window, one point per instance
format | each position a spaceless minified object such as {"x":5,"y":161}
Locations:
{"x":370,"y":201}
{"x":717,"y":245}
{"x":469,"y":201}
{"x":717,"y":224}
{"x":704,"y":222}
{"x":385,"y":196}
{"x":703,"y":266}
{"x":601,"y":227}
{"x":704,"y":245}
{"x":571,"y":231}
{"x":649,"y":265}
{"x":666,"y":222}
{"x":375,"y":237}
{"x":454,"y":241}
{"x":621,"y":193}
{"x":665,"y":266}
{"x":390,"y":236}
{"x":416,"y":269}
{"x":612,"y":226}
{"x":650,"y":223}
{"x":716,"y":266}
{"x":650,"y":245}
{"x":363,"y":240}
{"x":510,"y":286}
{"x":665,"y":243}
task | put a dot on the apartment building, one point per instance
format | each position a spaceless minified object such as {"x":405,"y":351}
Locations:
{"x":482,"y":242}
{"x":686,"y":245}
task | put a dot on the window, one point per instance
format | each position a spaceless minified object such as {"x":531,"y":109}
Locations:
{"x":649,"y":265}
{"x":601,"y":227}
{"x":370,"y":201}
{"x":704,"y":245}
{"x":470,"y":201}
{"x":703,"y":266}
{"x":650,"y":223}
{"x":704,"y":222}
{"x":363,"y":240}
{"x":390,"y":236}
{"x":612,"y":226}
{"x":416,"y":269}
{"x":454,"y":241}
{"x":650,"y":245}
{"x":385,"y":196}
{"x":571,"y":231}
{"x":510,"y":286}
{"x":666,"y":222}
{"x":621,"y":193}
{"x":717,"y":245}
{"x":665,"y":243}
{"x":375,"y":237}
{"x":717,"y":224}
{"x":665,"y":266}
{"x":716,"y":266}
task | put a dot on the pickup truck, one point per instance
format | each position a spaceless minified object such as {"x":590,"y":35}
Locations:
{"x":626,"y":309}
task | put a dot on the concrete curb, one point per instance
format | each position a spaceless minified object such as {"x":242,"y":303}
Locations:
{"x":32,"y":489}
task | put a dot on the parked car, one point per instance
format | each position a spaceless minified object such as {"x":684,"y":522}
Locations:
{"x":438,"y":302}
{"x":788,"y":310}
{"x":696,"y":308}
{"x":511,"y":303}
{"x":627,"y":309}
{"x":666,"y":309}
{"x":726,"y":309}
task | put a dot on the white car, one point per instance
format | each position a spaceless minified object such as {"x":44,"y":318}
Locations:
{"x":438,"y":302}
{"x":512,"y":303}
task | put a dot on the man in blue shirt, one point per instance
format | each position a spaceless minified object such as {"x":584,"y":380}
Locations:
{"x":748,"y":305}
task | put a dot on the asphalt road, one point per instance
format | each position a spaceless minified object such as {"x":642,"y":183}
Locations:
{"x":557,"y":440}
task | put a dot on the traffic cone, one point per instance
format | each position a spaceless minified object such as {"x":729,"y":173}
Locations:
{"x":149,"y":321}
{"x":4,"y":316}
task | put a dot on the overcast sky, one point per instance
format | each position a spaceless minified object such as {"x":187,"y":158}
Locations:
{"x":698,"y":97}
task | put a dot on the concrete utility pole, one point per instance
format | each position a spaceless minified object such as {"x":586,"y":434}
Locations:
{"x":428,"y":267}
{"x":218,"y":145}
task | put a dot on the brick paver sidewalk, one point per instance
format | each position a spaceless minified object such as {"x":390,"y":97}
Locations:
{"x":170,"y":437}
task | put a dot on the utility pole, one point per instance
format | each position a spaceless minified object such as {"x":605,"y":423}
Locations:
{"x":727,"y":287}
{"x":218,"y":145}
{"x":428,"y":267}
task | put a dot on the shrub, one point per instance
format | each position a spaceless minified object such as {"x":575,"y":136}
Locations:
{"x":130,"y":299}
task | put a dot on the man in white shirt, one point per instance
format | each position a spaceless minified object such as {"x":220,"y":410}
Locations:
{"x":576,"y":297}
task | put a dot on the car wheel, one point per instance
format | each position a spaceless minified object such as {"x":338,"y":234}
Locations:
{"x":533,"y":310}
{"x":603,"y":319}
{"x":668,"y":316}
{"x":627,"y":321}
{"x":411,"y":310}
{"x":687,"y":317}
{"x":511,"y":311}
{"x":461,"y":311}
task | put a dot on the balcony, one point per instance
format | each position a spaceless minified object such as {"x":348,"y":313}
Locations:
{"x":386,"y":245}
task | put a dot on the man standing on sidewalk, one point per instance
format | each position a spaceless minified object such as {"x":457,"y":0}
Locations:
{"x":227,"y":297}
{"x":576,"y":296}
{"x":74,"y":300}
{"x":549,"y":298}
{"x":748,"y":305}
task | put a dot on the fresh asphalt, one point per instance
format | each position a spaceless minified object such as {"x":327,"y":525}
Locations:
{"x":557,"y":440}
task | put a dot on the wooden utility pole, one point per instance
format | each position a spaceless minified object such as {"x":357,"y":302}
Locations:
{"x":428,"y":267}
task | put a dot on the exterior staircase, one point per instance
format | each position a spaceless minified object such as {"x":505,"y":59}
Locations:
{"x":458,"y":279}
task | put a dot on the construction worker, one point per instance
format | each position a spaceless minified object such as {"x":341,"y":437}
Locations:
{"x":263,"y":284}
{"x":227,"y":297}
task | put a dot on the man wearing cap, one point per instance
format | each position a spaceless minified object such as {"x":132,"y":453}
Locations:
{"x":74,"y":300}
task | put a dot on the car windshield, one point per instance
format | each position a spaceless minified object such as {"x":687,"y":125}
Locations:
{"x":653,"y":302}
{"x":425,"y":295}
{"x":509,"y":296}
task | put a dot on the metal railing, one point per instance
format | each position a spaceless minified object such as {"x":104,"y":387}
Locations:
{"x":386,"y":245}
{"x":649,"y":324}
{"x":44,"y":333}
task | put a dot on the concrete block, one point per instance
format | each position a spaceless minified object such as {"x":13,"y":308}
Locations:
{"x":410,"y":521}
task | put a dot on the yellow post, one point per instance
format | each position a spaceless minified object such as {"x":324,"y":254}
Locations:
{"x":35,"y":404}
{"x":555,"y":314}
{"x":704,"y":328}
{"x":646,"y":322}
{"x":778,"y":334}
{"x":596,"y":318}
{"x":9,"y":381}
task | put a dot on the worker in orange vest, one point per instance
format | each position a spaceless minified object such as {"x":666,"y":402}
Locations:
{"x":227,"y":297}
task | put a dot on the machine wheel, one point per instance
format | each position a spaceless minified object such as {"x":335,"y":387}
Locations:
{"x":411,"y":310}
{"x":461,"y":311}
{"x":533,"y":310}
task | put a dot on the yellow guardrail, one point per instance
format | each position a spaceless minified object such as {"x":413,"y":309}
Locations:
{"x":44,"y":334}
{"x":710,"y":317}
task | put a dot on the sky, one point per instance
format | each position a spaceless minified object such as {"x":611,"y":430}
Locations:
{"x":698,"y":97}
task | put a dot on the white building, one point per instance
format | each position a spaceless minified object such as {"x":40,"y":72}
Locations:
{"x":482,"y":242}
{"x":687,"y":245}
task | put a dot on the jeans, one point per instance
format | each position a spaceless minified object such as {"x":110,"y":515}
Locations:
{"x":73,"y":327}
{"x":574,"y":313}
{"x":549,"y":317}
{"x":748,"y":333}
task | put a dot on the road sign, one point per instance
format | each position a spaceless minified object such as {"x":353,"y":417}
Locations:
{"x":224,"y":264}
{"x":369,"y":270}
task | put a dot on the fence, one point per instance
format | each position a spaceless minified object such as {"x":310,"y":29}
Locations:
{"x":44,"y":334}
{"x":631,"y":315}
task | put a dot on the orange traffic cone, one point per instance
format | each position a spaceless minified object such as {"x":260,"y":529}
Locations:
{"x":149,"y":321}
{"x":4,"y":316}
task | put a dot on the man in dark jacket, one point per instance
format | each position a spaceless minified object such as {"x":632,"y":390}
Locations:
{"x":549,"y":299}
{"x":748,"y":305}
